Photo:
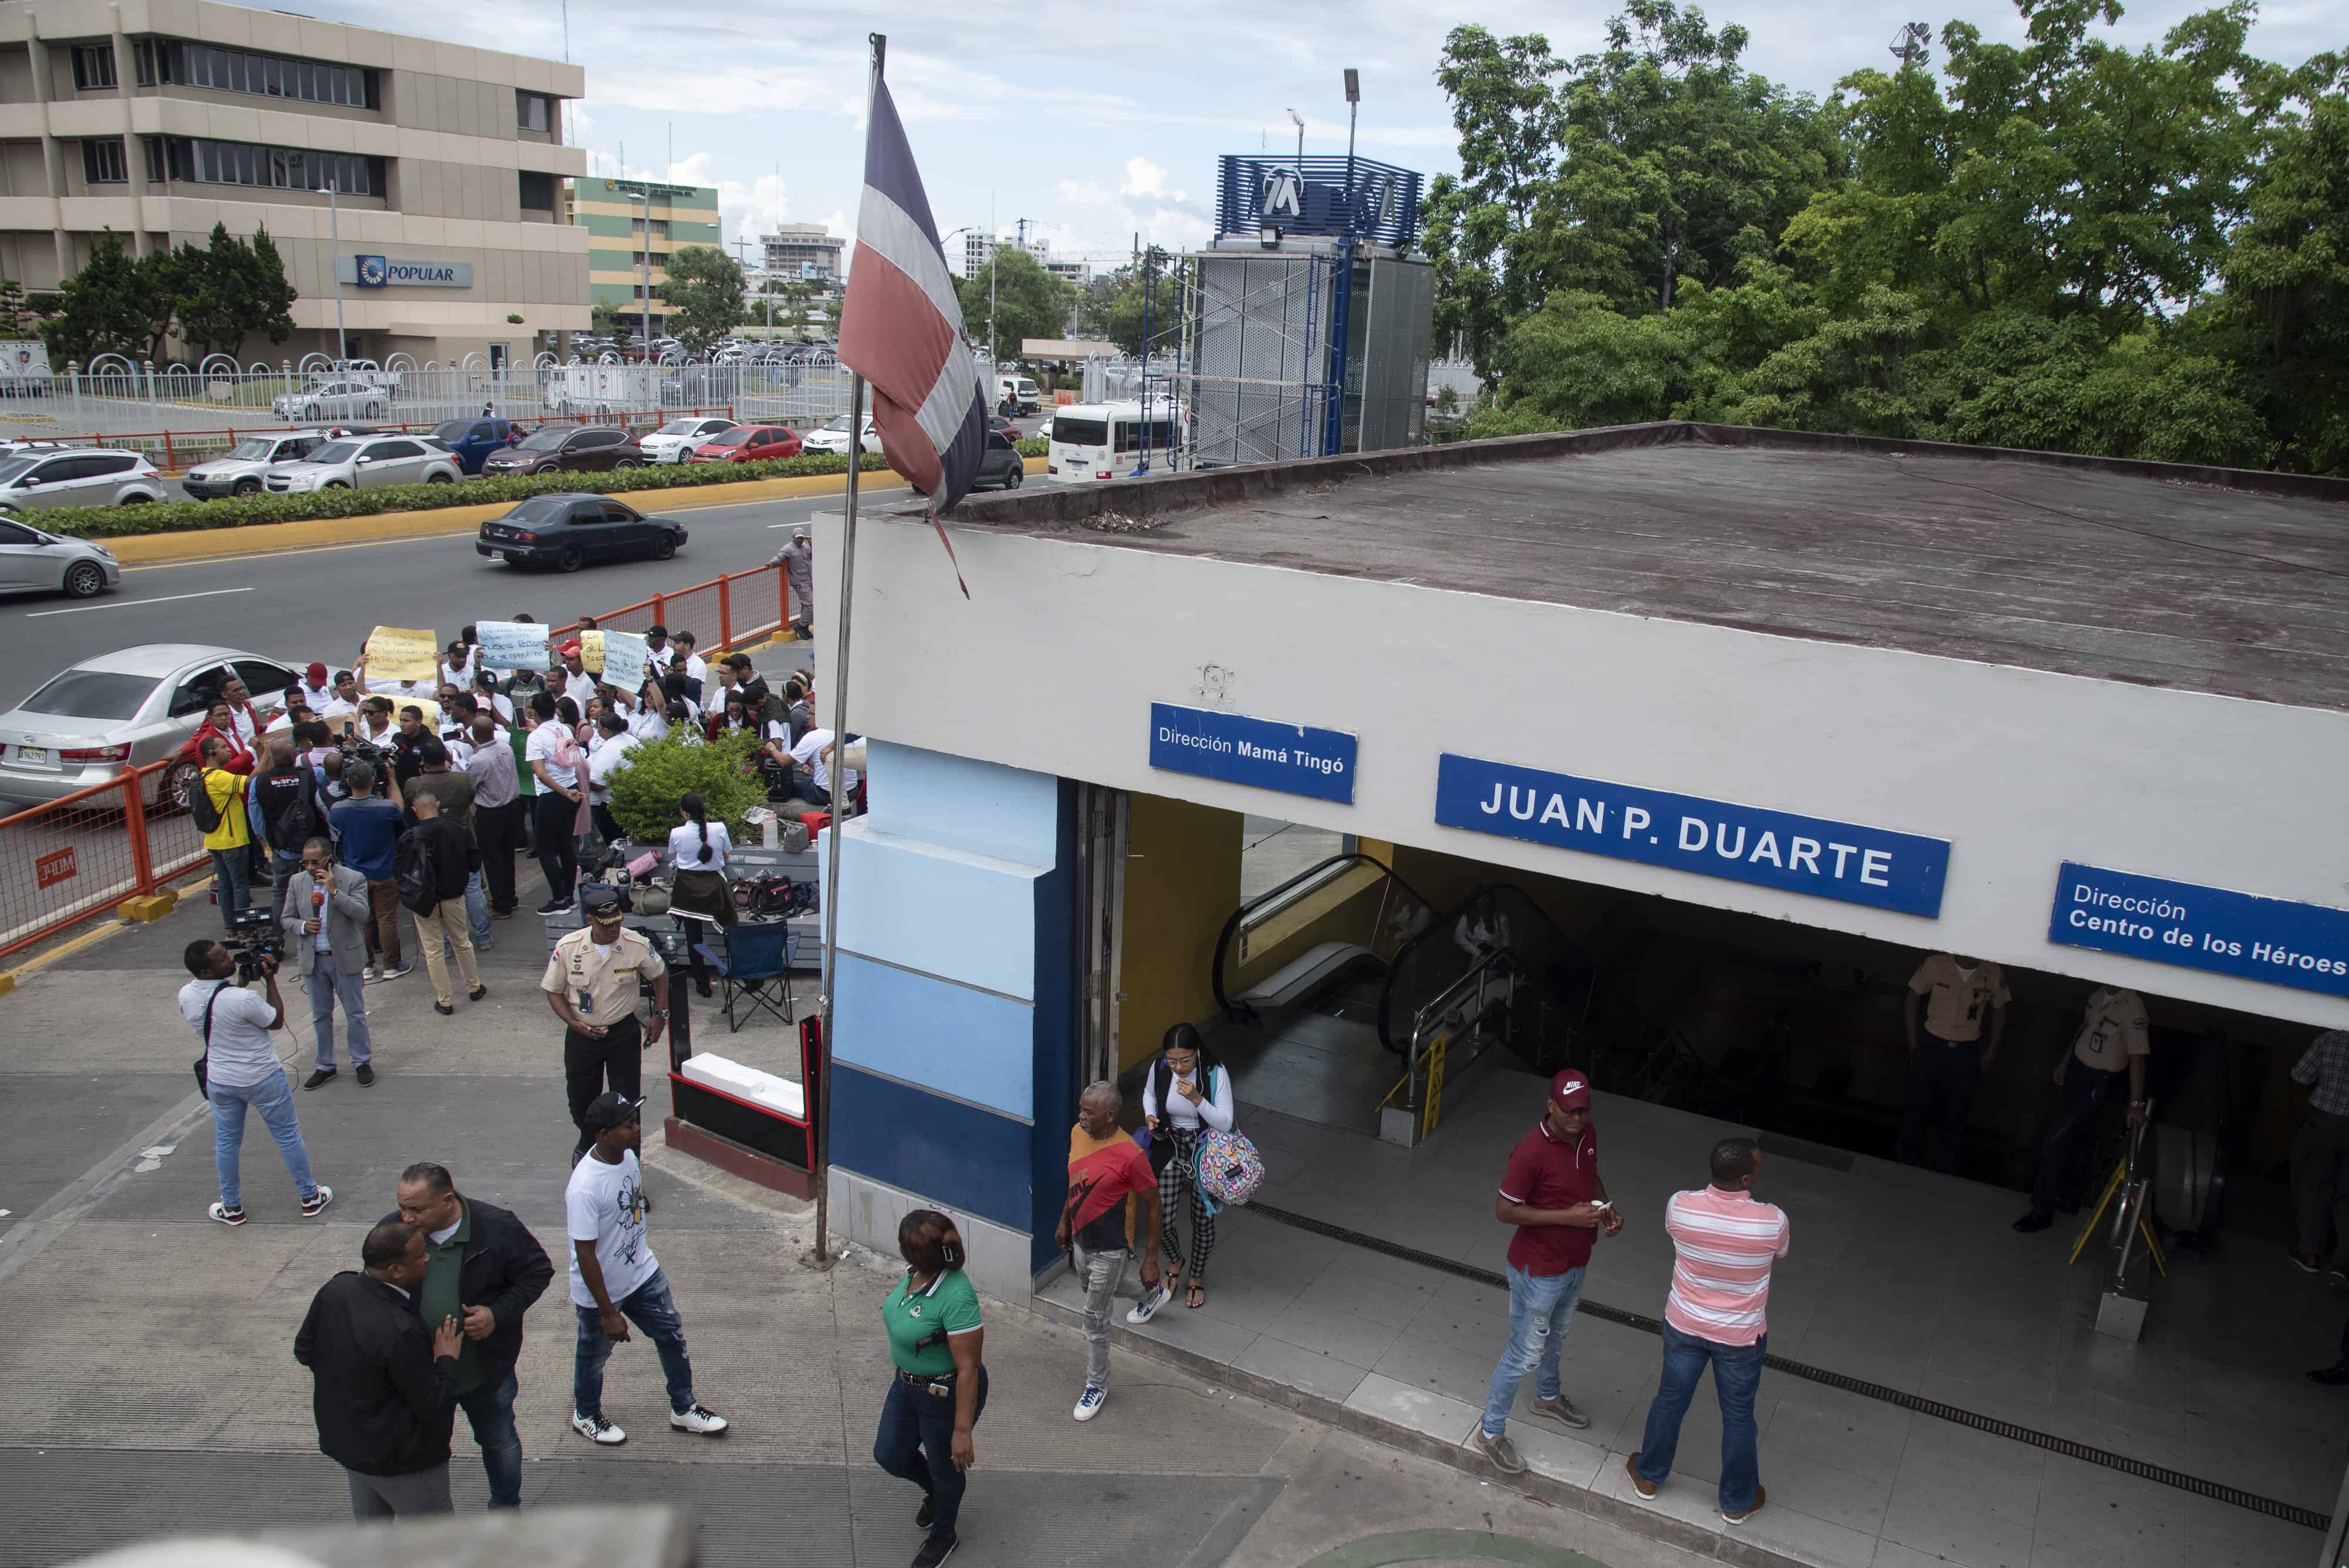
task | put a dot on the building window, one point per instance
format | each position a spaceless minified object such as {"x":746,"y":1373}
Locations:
{"x":102,"y":162}
{"x":208,"y":66}
{"x":93,"y":65}
{"x":158,"y":169}
{"x":533,"y":111}
{"x":142,"y":56}
{"x":660,"y":227}
{"x":537,"y":191}
{"x":275,"y":168}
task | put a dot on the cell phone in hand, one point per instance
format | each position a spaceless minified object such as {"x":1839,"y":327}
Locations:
{"x":1602,"y":1204}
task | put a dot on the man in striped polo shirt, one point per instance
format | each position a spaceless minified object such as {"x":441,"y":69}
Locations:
{"x":1724,"y":1242}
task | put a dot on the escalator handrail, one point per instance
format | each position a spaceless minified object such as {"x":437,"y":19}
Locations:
{"x":1442,"y":927}
{"x":1224,"y":1003}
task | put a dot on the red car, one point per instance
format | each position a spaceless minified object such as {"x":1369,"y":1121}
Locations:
{"x":748,"y":443}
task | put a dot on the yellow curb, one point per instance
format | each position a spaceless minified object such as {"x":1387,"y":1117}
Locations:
{"x":152,"y":906}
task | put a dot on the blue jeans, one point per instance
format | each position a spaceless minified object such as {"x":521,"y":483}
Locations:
{"x":326,"y":985}
{"x":1736,"y":1377}
{"x":654,"y":1312}
{"x":232,"y":882}
{"x":1541,"y":1309}
{"x":274,"y":1098}
{"x":490,"y":1408}
{"x":916,"y":1443}
{"x":477,"y":909}
{"x":283,"y":864}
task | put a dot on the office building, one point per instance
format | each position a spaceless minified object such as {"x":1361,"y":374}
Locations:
{"x":804,"y":252}
{"x":158,"y":118}
{"x":633,"y":227}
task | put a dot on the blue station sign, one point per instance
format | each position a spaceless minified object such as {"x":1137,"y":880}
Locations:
{"x":2304,"y":946}
{"x":1873,"y":866}
{"x":1291,"y":758}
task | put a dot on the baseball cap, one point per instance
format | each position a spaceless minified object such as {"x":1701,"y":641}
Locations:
{"x":599,"y":899}
{"x":610,"y":1109}
{"x":317,"y":672}
{"x":570,"y":645}
{"x":1570,"y":1089}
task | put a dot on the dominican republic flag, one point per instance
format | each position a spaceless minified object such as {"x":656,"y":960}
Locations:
{"x":901,"y":325}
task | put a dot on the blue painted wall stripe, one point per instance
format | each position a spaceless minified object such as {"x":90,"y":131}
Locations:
{"x":943,"y":912}
{"x":926,"y":1143}
{"x":968,"y":1043}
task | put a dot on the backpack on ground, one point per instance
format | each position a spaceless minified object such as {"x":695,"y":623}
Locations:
{"x":413,"y":876}
{"x":200,"y":809}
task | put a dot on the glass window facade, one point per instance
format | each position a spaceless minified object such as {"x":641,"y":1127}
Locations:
{"x":184,"y":64}
{"x":93,"y":65}
{"x":273,"y":168}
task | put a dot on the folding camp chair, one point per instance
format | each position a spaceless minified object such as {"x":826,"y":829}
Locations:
{"x":753,"y":966}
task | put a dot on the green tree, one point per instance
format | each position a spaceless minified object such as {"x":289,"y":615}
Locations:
{"x":1028,"y":302}
{"x":269,"y":302}
{"x":19,"y":316}
{"x":101,"y":310}
{"x":645,"y":793}
{"x":231,"y":291}
{"x":704,"y":295}
{"x":1115,"y":311}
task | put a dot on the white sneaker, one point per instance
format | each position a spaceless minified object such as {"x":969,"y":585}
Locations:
{"x":1090,"y":1402}
{"x":596,"y":1429}
{"x":1147,"y":1307}
{"x":701,"y":1421}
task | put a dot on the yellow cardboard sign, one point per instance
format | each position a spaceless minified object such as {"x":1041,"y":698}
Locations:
{"x":400,"y":653}
{"x":591,"y":651}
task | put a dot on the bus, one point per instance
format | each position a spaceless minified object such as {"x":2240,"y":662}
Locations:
{"x":1094,"y":442}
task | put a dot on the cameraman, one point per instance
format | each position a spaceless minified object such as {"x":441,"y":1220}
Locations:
{"x":240,"y":1067}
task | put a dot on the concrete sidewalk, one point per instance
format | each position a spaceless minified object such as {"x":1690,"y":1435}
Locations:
{"x":153,"y":1387}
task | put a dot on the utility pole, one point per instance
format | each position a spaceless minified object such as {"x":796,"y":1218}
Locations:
{"x":334,"y":232}
{"x":645,"y":257}
{"x":994,"y":245}
{"x":1299,"y":121}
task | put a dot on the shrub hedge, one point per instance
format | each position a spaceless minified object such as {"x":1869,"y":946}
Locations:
{"x":236,"y":512}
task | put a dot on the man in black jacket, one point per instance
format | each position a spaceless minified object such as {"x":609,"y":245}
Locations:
{"x":449,"y":856}
{"x":384,"y":1388}
{"x":486,"y":1268}
{"x":292,"y":814}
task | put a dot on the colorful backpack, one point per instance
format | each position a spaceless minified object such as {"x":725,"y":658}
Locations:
{"x":1230,"y":1168}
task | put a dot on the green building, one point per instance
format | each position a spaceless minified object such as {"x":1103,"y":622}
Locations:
{"x":616,"y":214}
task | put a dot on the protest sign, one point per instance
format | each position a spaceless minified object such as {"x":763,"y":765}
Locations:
{"x":401,"y":653}
{"x":624,"y":659}
{"x":511,"y":644}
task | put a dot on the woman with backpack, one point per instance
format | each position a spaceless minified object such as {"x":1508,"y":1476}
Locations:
{"x":698,"y":849}
{"x":1186,"y":1095}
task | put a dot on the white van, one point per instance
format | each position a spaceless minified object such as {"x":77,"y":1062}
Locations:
{"x":1094,"y":442}
{"x":1022,"y":393}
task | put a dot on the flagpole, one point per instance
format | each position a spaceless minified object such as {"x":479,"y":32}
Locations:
{"x":821,"y":1149}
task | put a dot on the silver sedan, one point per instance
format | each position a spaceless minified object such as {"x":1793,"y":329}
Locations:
{"x":32,"y":561}
{"x":124,"y":710}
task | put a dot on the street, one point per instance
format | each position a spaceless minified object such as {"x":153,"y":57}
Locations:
{"x":302,"y":605}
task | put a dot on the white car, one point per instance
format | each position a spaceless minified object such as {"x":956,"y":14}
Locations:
{"x":832,"y":436}
{"x":365,"y":462}
{"x":332,"y":400}
{"x":675,"y":440}
{"x":78,"y":476}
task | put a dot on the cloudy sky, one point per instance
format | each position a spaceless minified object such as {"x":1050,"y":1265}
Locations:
{"x":1096,"y":122}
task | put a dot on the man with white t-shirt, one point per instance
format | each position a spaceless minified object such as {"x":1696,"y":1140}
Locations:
{"x":241,"y":1070}
{"x":554,"y":808}
{"x":616,"y":1279}
{"x":813,"y":755}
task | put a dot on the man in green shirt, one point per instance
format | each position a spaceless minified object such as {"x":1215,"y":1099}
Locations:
{"x":940,"y":1385}
{"x":484,"y":1270}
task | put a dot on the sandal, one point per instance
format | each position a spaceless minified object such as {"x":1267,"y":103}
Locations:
{"x":1196,"y":1295}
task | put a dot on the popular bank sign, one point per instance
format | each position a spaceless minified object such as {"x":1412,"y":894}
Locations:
{"x":1873,"y":866}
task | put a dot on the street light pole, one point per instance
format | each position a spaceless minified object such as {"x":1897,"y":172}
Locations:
{"x":994,"y":244}
{"x":1299,"y":121}
{"x":334,"y":232}
{"x":645,"y":257}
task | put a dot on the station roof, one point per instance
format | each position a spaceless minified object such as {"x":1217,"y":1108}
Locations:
{"x":2221,"y":580}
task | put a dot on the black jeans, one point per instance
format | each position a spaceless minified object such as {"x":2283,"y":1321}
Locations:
{"x":590,"y":1065}
{"x":2071,"y":1138}
{"x":498,"y":830}
{"x":916,"y":1443}
{"x":558,"y":847}
{"x":1941,"y":1079}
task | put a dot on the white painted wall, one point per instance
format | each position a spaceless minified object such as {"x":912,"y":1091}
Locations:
{"x":1053,"y":660}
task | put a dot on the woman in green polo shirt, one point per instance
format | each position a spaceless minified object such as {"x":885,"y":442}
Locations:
{"x":939,"y":1389}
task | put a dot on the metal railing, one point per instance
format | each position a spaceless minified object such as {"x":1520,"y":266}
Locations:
{"x":174,"y":450}
{"x":1451,"y":1012}
{"x":112,"y":394}
{"x":70,"y":859}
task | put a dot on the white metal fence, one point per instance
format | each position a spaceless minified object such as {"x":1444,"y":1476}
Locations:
{"x":193,"y":409}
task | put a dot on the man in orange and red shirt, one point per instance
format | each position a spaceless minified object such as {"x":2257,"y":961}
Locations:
{"x":1552,"y":1194}
{"x":1106,"y":1167}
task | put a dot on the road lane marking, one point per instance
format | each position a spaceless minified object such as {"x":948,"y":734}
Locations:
{"x":134,"y":603}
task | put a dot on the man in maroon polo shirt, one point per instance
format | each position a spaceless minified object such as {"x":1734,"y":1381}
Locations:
{"x":1551,"y":1192}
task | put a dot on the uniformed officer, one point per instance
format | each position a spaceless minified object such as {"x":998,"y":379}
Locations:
{"x":1963,"y":1003}
{"x":591,"y":983}
{"x":2114,"y":1041}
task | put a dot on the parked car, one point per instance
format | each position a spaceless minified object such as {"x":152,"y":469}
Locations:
{"x":1000,"y":466}
{"x":748,"y":444}
{"x":675,"y":441}
{"x":365,"y":462}
{"x":332,"y":400}
{"x":32,"y":561}
{"x":571,"y":448}
{"x":832,"y":436}
{"x":567,"y":532}
{"x":82,"y":476}
{"x":121,"y":711}
{"x":473,"y":440}
{"x":240,"y":472}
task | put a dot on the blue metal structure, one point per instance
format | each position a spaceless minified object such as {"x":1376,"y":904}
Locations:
{"x":1333,"y":195}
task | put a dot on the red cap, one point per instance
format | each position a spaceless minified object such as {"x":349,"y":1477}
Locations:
{"x":1571,"y":1089}
{"x":569,"y":648}
{"x":317,"y":672}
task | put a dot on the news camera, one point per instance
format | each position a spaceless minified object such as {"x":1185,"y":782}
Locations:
{"x":256,"y":942}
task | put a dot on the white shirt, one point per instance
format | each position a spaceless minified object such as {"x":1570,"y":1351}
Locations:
{"x":335,"y":708}
{"x":694,"y":669}
{"x":578,"y":687}
{"x":242,"y":1055}
{"x":462,"y":676}
{"x":1216,"y":1110}
{"x":809,"y":755}
{"x":315,"y":698}
{"x":283,"y":722}
{"x":246,"y":726}
{"x":604,"y":758}
{"x":542,"y":747}
{"x":658,"y":658}
{"x":503,"y":706}
{"x":684,"y":847}
{"x":645,"y":724}
{"x":460,"y":751}
{"x":604,"y":1204}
